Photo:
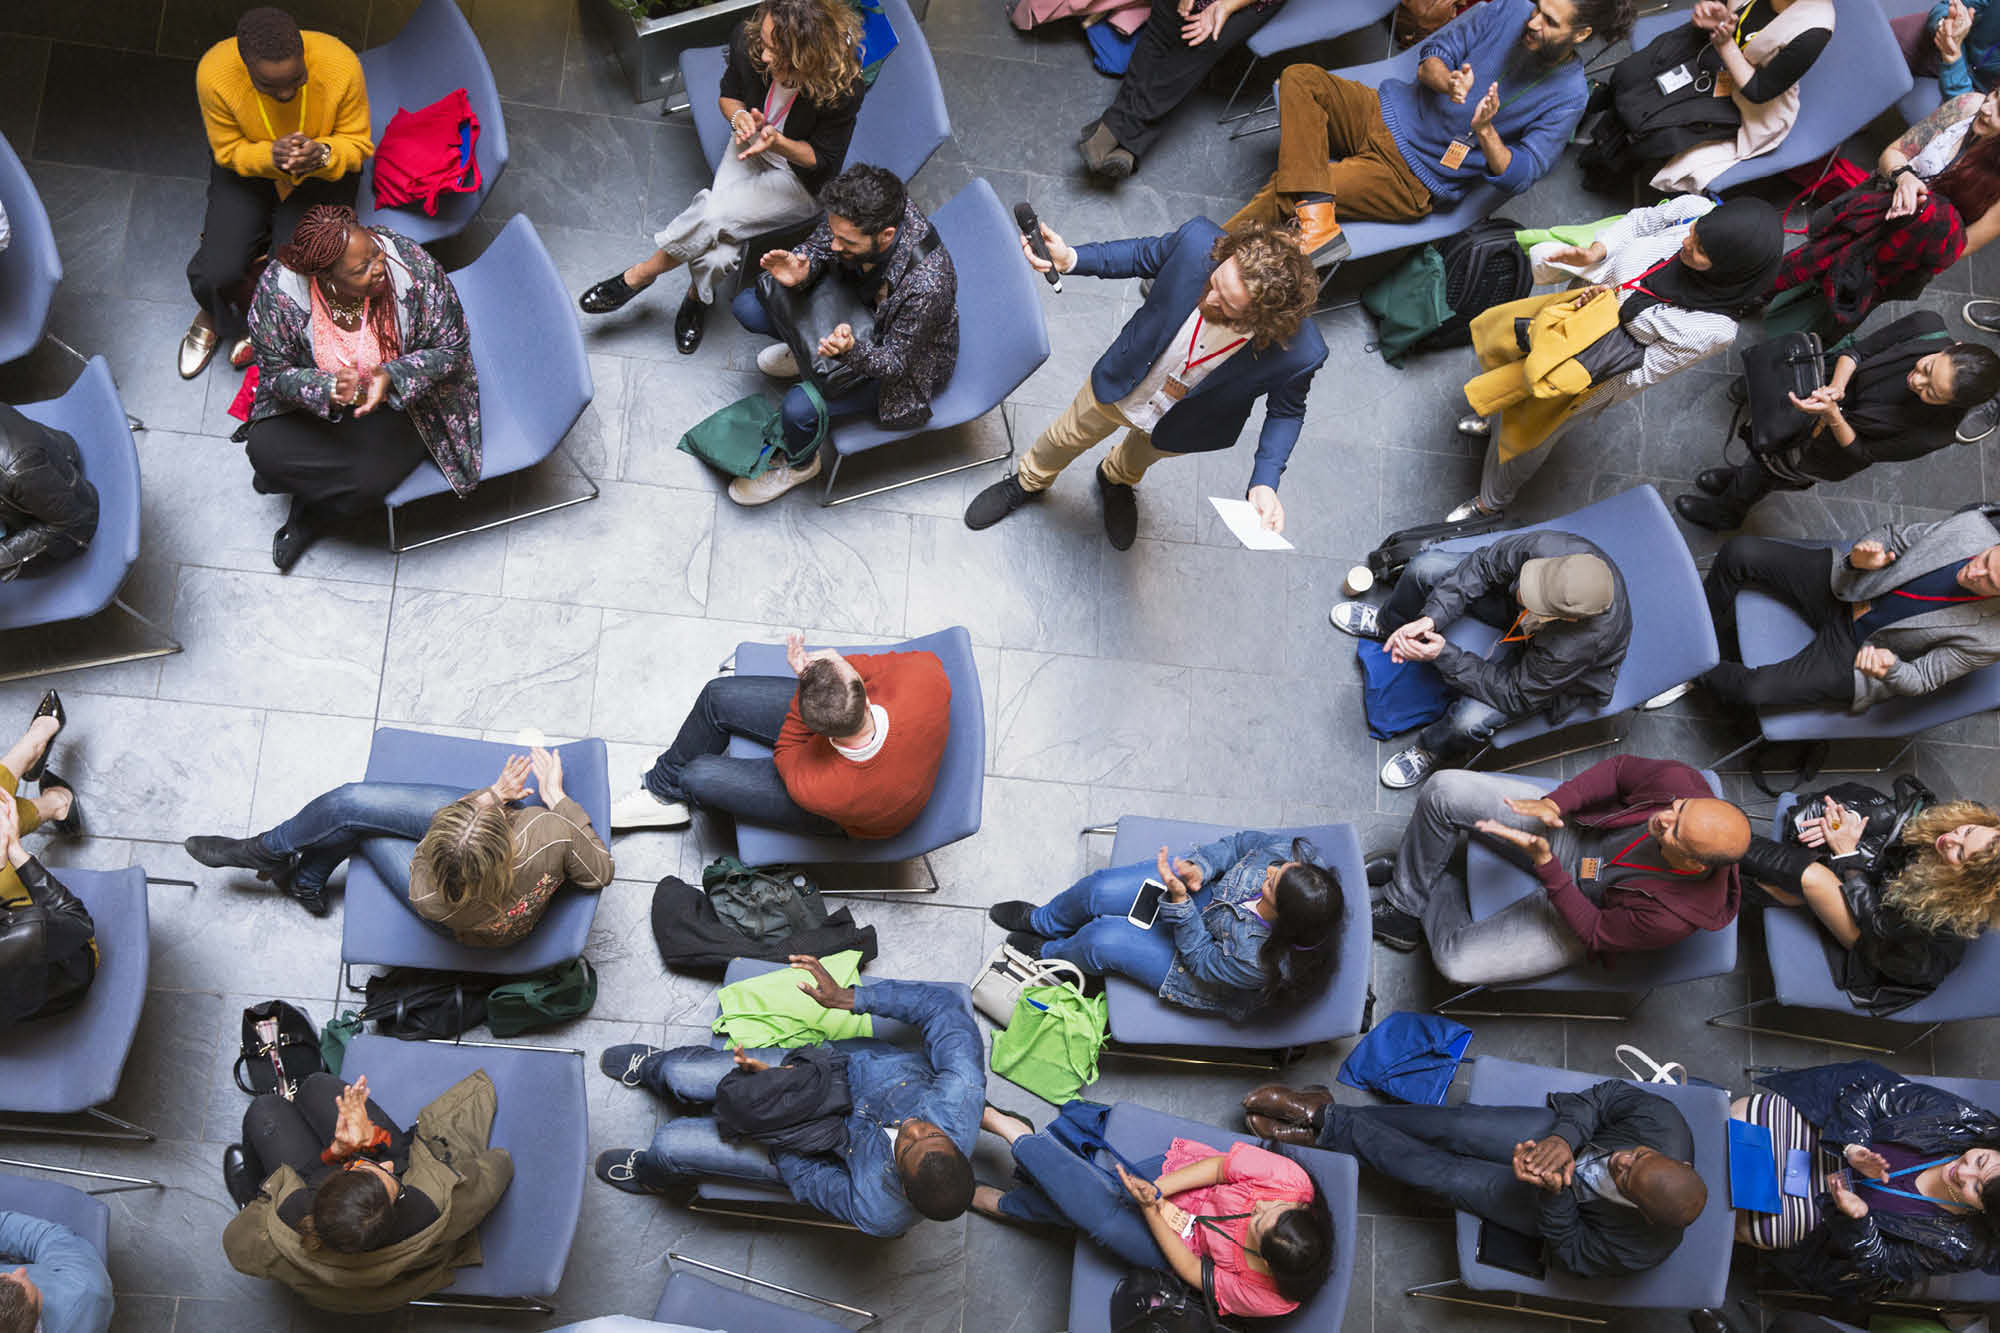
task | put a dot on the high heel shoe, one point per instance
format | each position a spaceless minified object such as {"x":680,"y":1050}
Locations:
{"x":51,"y":706}
{"x":71,"y":824}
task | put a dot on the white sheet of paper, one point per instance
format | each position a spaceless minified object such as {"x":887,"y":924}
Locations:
{"x":1241,"y":518}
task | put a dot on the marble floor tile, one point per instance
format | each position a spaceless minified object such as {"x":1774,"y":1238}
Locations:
{"x":121,"y":109}
{"x":269,"y":640}
{"x":489,"y":662}
{"x":1091,"y":720}
{"x":638,"y":548}
{"x":1037,"y":576}
{"x":794,"y":563}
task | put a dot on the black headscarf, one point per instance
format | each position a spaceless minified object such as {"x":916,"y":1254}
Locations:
{"x":1744,"y":240}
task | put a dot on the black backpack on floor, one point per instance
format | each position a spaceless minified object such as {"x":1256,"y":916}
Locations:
{"x":1484,"y":266}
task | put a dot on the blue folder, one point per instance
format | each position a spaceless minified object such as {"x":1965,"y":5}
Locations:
{"x":1753,"y":1168}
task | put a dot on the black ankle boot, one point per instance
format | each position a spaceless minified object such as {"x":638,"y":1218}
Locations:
{"x":244,"y":854}
{"x":241,"y":1175}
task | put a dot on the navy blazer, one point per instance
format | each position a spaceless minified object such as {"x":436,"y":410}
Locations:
{"x":1213,"y":413}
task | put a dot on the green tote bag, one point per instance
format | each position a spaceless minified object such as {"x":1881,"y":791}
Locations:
{"x":1050,"y":1046}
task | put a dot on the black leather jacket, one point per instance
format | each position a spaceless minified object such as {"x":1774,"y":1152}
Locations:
{"x":48,"y":512}
{"x":1862,"y":1102}
{"x":47,"y":958}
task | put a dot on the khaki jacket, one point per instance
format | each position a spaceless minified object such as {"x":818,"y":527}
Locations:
{"x":450,"y":1162}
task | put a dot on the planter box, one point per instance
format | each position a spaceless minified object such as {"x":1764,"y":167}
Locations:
{"x":650,"y":49}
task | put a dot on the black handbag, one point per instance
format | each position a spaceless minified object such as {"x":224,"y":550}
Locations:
{"x":280,"y":1050}
{"x":1794,"y":363}
{"x":1387,"y":560}
{"x":1147,"y":1300}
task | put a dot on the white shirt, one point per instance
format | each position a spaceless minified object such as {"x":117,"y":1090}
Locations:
{"x":1216,"y":343}
{"x":1936,"y":155}
{"x":778,"y":105}
{"x":863,"y":753}
{"x":1593,"y":1173}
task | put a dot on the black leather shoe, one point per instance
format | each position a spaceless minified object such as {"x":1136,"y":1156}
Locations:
{"x":1380,"y":867}
{"x":1012,"y":915}
{"x":71,"y":824}
{"x":290,"y":541}
{"x":1027,"y":941}
{"x":243,"y":854}
{"x":50,"y":706}
{"x":608,"y":295}
{"x":1121,"y":512}
{"x":1705,"y":511}
{"x":1715,"y":480}
{"x":1714,"y":1321}
{"x":1739,"y":391}
{"x":997,"y":501}
{"x":689,"y":322}
{"x":240,"y":1175}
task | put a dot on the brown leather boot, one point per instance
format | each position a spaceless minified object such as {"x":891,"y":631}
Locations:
{"x":1294,"y":1105}
{"x":1279,"y":1132}
{"x":1319,"y":235}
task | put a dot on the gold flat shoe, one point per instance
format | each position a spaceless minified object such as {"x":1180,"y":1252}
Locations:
{"x":197,"y":347}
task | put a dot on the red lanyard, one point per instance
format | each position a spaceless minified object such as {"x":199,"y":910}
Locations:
{"x":1190,"y":361}
{"x":783,"y":111}
{"x":1619,"y":860}
{"x":1640,"y":281}
{"x":1931,"y":597}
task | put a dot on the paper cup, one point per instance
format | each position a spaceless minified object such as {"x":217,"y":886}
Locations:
{"x":1359,"y":580}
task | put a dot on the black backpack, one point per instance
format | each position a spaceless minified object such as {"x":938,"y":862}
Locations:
{"x":280,"y":1050}
{"x":1388,"y":559}
{"x":1147,"y":1300}
{"x":1484,"y":266}
{"x":416,"y":1003}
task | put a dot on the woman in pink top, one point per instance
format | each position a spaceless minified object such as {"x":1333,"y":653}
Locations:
{"x":1251,"y":1213}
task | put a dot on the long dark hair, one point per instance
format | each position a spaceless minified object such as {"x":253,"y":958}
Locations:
{"x":1298,"y":1249}
{"x":1298,"y":954}
{"x":350,"y":1213}
{"x":1972,"y":181}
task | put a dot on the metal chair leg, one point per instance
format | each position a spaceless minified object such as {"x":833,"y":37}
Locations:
{"x":826,"y":494}
{"x":675,"y":1256}
{"x":1717,"y":1021}
{"x":1273,"y":1061}
{"x":1432,"y":1291}
{"x":1225,"y":118}
{"x":400,"y":549}
{"x":125,"y":1182}
{"x":154,"y":642}
{"x":125,"y":1131}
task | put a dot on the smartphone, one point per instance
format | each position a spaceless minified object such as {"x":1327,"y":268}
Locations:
{"x":1146,"y":907}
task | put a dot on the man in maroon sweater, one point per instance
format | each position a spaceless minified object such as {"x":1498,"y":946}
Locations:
{"x":1632,"y":854}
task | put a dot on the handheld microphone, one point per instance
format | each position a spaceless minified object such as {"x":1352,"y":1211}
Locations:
{"x":1031,"y":227}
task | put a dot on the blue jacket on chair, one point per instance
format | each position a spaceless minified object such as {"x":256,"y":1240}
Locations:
{"x":1213,"y":413}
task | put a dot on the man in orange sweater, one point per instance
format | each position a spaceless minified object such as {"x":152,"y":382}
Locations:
{"x":855,"y":741}
{"x":287,"y":119}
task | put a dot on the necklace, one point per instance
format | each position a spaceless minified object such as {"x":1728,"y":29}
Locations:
{"x":347,"y":312}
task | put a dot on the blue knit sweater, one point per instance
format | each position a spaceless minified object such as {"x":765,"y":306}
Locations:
{"x":1534,"y":121}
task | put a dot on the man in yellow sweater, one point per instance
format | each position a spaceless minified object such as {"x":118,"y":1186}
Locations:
{"x":287,"y":119}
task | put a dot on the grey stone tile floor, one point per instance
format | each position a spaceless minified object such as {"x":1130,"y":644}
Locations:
{"x":1186,"y":677}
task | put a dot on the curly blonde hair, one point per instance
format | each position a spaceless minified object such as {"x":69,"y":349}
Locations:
{"x":468,"y":851}
{"x":1281,"y":281}
{"x":817,"y":43}
{"x":1937,"y":895}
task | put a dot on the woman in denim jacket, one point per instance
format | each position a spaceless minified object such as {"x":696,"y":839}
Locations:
{"x":1248,"y":922}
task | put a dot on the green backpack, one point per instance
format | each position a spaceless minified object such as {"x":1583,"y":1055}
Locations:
{"x":1408,"y":303}
{"x":553,"y":995}
{"x":747,"y":438}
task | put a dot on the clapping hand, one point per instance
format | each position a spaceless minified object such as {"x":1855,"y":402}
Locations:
{"x":787,"y":266}
{"x":1576,"y":256}
{"x":1458,"y":83}
{"x":1837,"y":827}
{"x":1181,"y":878}
{"x":1534,"y":844}
{"x":548,"y":770}
{"x":1541,"y":807}
{"x":1845,"y":1199}
{"x":1867,"y":1161}
{"x":378,"y":389}
{"x":1489,"y":107}
{"x":1205,"y":26}
{"x":346,"y":386}
{"x":512,"y":784}
{"x":744,"y":125}
{"x":839,"y":342}
{"x":766,"y":134}
{"x":1870,"y":555}
{"x":1876,"y":662}
{"x":353,"y":1131}
{"x":821,"y":986}
{"x":1712,"y":15}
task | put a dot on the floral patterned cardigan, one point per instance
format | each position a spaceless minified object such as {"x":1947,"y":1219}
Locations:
{"x":433,"y":380}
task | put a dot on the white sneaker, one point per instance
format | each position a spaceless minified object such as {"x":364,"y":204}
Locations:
{"x":1468,"y":511}
{"x":1407,"y":767}
{"x":1666,"y":696}
{"x":768,"y":486}
{"x":1361,"y":619}
{"x":778,"y":362}
{"x":639,"y":808}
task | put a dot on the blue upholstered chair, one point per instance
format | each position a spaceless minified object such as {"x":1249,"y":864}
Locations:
{"x":86,"y":585}
{"x":1493,"y":881}
{"x":1859,"y":75}
{"x":69,"y":1064}
{"x":902,"y":119}
{"x":541,"y":1122}
{"x":534,"y":378}
{"x":1139,"y":1132}
{"x":1139,"y":1018}
{"x":699,"y":1303}
{"x":1694,"y":1276}
{"x":88,"y":1217}
{"x":433,"y":56}
{"x":377,"y":925}
{"x":1768,"y":631}
{"x":953,"y":812}
{"x":1673,"y":637}
{"x":1795,"y":944}
{"x":743,"y":1198}
{"x":30,"y":268}
{"x":1302,"y":24}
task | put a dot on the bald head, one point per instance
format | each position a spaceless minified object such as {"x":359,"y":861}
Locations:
{"x":1669,"y":1193}
{"x":1703,"y":830}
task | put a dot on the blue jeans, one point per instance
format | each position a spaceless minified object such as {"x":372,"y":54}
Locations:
{"x":381,"y":820}
{"x":689,"y":1147}
{"x":801,"y":421}
{"x":696,"y":769}
{"x":1461,"y":1154}
{"x":1467,"y":724}
{"x":1064,"y":1190}
{"x":1085,"y":924}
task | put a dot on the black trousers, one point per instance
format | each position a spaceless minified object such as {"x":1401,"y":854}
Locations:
{"x":281,"y":1133}
{"x":338,"y":468}
{"x":244,"y":216}
{"x":1820,"y":673}
{"x":1165,"y":70}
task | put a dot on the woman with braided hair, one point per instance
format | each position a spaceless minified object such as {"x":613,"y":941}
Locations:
{"x":364,"y":372}
{"x":479,"y":866}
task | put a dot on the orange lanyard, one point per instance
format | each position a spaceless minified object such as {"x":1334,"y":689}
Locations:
{"x":1190,"y":361}
{"x":1619,"y":860}
{"x":1511,"y":637}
